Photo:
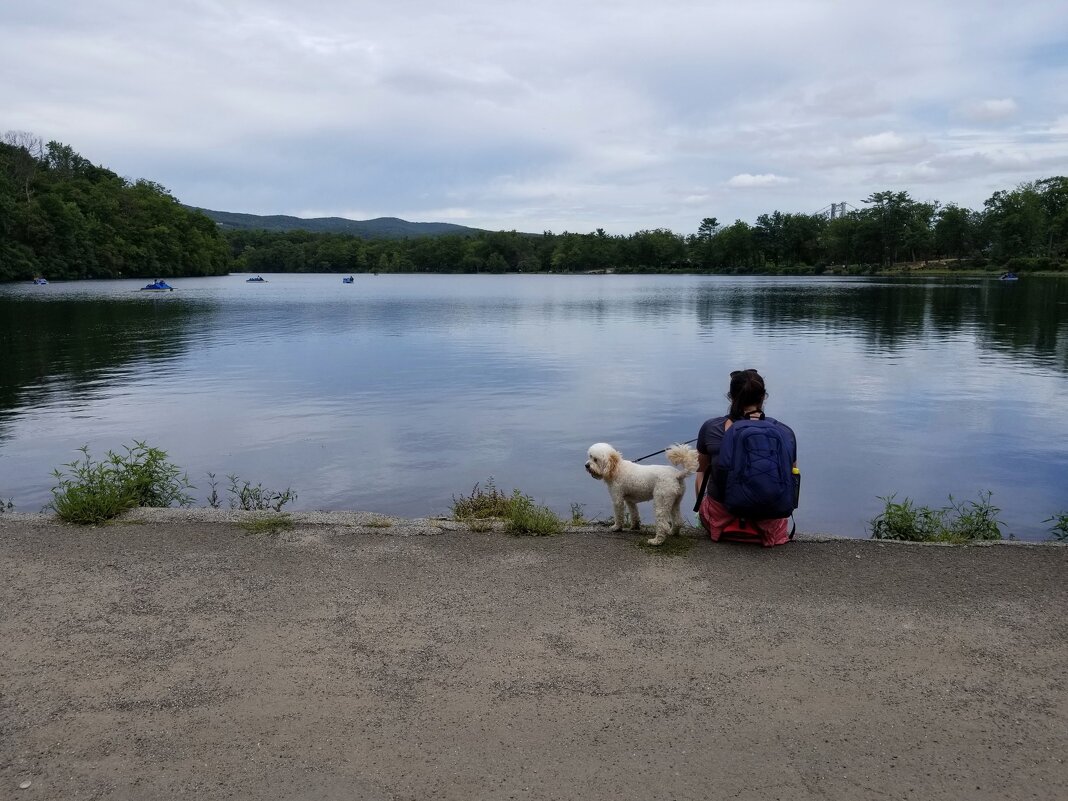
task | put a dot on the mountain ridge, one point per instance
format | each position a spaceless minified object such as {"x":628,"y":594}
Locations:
{"x":377,"y":228}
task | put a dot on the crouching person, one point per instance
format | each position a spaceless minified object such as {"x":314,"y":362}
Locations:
{"x":747,"y":478}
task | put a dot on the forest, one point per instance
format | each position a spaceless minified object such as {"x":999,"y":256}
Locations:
{"x":62,"y":217}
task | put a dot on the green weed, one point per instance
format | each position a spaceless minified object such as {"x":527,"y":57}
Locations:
{"x":378,"y":522}
{"x":528,"y":518}
{"x":520,"y":513}
{"x":1059,"y":529}
{"x":6,"y":506}
{"x":91,"y":492}
{"x":959,"y":522}
{"x":483,"y":502}
{"x":578,"y":515}
{"x":267,"y":524}
{"x":256,"y":498}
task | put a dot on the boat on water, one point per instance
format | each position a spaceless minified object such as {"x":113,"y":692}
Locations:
{"x":40,"y":280}
{"x":257,"y":279}
{"x":1008,"y":277}
{"x":158,"y":285}
{"x":347,"y":279}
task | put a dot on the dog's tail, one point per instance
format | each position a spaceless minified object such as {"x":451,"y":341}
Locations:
{"x":683,"y":457}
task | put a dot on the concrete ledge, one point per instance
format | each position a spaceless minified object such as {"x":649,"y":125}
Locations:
{"x":173,"y":654}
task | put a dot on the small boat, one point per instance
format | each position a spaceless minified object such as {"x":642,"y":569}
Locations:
{"x":158,"y":285}
{"x":347,"y":279}
{"x":40,"y":280}
{"x":1008,"y":277}
{"x":259,"y":279}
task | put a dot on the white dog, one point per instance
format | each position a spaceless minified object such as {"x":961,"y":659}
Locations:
{"x":631,"y":483}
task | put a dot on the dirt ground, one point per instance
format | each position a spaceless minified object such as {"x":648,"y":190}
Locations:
{"x":354,"y":657}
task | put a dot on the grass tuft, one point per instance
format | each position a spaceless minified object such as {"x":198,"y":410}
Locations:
{"x":531,"y":519}
{"x":520,"y":513}
{"x":483,"y":502}
{"x":1059,"y":529}
{"x":968,"y":521}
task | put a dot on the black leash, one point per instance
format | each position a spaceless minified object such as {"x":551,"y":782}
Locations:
{"x":654,"y":453}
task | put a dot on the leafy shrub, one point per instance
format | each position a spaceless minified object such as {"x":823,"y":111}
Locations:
{"x":527,"y":517}
{"x":1059,"y":529}
{"x":91,"y":492}
{"x":6,"y":506}
{"x":482,"y":503}
{"x":958,"y":522}
{"x":519,"y":511}
{"x":252,"y":498}
{"x":903,"y":521}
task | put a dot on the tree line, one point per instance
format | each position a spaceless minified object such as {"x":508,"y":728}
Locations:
{"x":62,"y":216}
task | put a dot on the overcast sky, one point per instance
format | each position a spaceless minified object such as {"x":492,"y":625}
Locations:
{"x":546,"y":115}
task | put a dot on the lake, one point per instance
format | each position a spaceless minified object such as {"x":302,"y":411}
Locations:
{"x":397,"y":392}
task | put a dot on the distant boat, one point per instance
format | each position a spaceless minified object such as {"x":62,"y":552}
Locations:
{"x":40,"y":281}
{"x":158,"y":285}
{"x":259,"y":279}
{"x":1008,"y":277}
{"x":347,"y":279}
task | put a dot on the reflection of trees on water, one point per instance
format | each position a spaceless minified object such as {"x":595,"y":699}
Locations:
{"x":63,"y":348}
{"x":1027,"y":317}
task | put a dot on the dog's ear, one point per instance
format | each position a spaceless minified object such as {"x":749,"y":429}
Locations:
{"x":613,"y":464}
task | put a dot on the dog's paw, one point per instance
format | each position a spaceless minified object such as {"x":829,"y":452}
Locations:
{"x":655,"y":541}
{"x":617,"y":527}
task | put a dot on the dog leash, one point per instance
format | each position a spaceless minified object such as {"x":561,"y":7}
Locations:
{"x":654,"y":453}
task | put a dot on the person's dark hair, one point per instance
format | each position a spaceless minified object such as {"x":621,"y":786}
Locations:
{"x":747,"y":389}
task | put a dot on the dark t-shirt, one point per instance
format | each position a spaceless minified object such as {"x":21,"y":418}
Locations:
{"x":710,"y":440}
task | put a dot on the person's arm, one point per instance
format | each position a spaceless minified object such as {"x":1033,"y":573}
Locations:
{"x":699,"y":478}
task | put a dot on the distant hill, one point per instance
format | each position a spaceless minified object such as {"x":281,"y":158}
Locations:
{"x":380,"y":228}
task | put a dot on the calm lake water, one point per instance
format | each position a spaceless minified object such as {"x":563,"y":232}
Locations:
{"x":397,"y":392}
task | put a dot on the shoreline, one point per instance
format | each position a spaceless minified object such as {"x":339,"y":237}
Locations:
{"x":438,"y":525}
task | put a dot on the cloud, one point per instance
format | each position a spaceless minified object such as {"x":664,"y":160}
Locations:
{"x":747,"y":181}
{"x":553,"y":115}
{"x":997,"y":110}
{"x":887,"y":143}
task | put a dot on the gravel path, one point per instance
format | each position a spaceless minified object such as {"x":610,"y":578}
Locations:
{"x":358,"y":657}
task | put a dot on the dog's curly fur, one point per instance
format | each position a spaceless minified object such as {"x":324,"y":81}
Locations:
{"x":630,"y":483}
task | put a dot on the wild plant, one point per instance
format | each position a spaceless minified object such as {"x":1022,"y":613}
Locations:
{"x":578,"y":514}
{"x":1059,"y":529}
{"x":267,"y":524}
{"x":975,"y":520}
{"x":904,"y":521}
{"x":257,"y":498}
{"x":483,"y":502}
{"x":6,"y":505}
{"x":91,"y":492}
{"x":528,"y":518}
{"x":966,"y":521}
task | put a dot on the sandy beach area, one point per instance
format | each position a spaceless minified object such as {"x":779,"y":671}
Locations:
{"x":175,"y":655}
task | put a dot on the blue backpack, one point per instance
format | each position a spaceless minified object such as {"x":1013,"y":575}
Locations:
{"x":755,"y":469}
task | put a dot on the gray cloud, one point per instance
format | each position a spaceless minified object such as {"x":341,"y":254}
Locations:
{"x":555,"y":115}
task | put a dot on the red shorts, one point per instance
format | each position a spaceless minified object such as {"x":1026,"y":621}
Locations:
{"x":721,"y":524}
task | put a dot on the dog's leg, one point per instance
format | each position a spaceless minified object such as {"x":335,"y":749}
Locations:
{"x":635,"y":518}
{"x":663,"y":528}
{"x":617,"y":513}
{"x":676,"y":516}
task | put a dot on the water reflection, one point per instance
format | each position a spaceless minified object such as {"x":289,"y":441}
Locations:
{"x":398,"y":392}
